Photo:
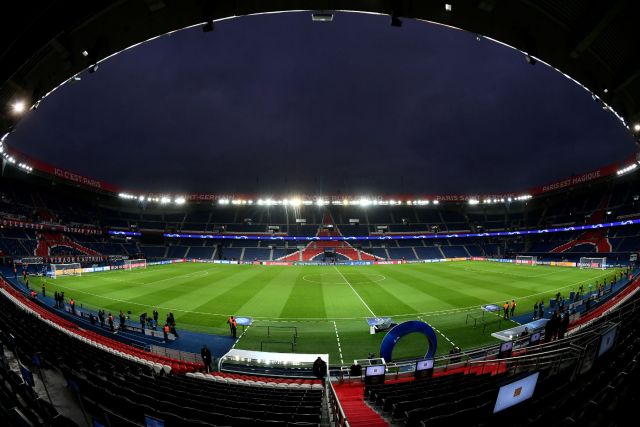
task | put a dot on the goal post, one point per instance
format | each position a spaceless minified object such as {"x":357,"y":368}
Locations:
{"x":59,"y":270}
{"x":586,"y":262}
{"x":526,"y":259}
{"x":130,"y":264}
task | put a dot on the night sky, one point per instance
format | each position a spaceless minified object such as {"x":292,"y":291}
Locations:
{"x":278,"y":104}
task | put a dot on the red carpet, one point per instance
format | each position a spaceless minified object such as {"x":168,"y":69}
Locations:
{"x":351,"y":397}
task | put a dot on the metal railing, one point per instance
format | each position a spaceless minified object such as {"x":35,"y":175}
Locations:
{"x":567,"y":350}
{"x":184,"y":356}
{"x":338,"y":417}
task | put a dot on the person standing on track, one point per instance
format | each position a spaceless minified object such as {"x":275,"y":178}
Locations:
{"x":513,"y":307}
{"x":505,"y":310}
{"x":233,"y":326}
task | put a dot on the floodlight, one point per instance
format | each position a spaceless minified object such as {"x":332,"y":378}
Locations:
{"x":448,"y":7}
{"x":93,"y":68}
{"x":180,"y":200}
{"x":636,"y":127}
{"x":435,"y":202}
{"x":322,"y":17}
{"x":85,"y":53}
{"x":18,"y":107}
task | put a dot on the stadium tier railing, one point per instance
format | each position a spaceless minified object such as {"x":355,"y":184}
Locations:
{"x":338,"y":417}
{"x":183,"y":356}
{"x":554,"y":354}
{"x":95,"y":339}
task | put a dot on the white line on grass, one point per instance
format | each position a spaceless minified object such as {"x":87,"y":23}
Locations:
{"x":355,"y":292}
{"x":324,"y":319}
{"x":440,"y":332}
{"x":240,"y":337}
{"x":338,"y":339}
{"x":197,"y":274}
{"x":525,"y":276}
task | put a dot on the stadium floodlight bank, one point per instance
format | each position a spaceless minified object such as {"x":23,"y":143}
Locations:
{"x":526,"y":259}
{"x":586,"y":262}
{"x":130,"y":264}
{"x":59,"y":270}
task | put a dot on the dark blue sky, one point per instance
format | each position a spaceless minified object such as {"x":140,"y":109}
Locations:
{"x":280,"y":104}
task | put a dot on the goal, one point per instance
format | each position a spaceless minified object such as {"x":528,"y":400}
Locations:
{"x":586,"y":262}
{"x":59,"y":270}
{"x":526,"y":259}
{"x":130,"y":264}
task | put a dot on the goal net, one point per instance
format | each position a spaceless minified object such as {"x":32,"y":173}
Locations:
{"x":59,"y":270}
{"x":526,"y":259}
{"x":592,"y":263}
{"x":130,"y":264}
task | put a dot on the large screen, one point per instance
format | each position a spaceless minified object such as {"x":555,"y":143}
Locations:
{"x":516,"y":392}
{"x":373,"y":371}
{"x":607,"y":340}
{"x":505,"y":349}
{"x":424,"y":368}
{"x":535,"y":338}
{"x":374,"y":374}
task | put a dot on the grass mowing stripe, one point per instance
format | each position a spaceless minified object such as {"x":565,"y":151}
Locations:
{"x":443,"y":293}
{"x":355,"y":292}
{"x":302,"y":291}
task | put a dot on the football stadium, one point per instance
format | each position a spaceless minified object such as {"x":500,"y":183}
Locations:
{"x":266,"y":302}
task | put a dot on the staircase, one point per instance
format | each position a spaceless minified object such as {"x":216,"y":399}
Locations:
{"x":48,"y":240}
{"x":597,"y":238}
{"x":317,"y":248}
{"x":358,"y":413}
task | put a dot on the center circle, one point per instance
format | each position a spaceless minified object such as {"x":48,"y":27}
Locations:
{"x":343,"y":278}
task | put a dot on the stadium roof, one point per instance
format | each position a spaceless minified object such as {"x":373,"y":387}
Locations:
{"x":596,"y":44}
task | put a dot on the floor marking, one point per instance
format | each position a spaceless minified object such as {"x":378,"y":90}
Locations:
{"x":355,"y":292}
{"x":379,"y":278}
{"x":240,"y":337}
{"x":324,"y":319}
{"x":196,"y":274}
{"x":438,"y":331}
{"x":480,"y":270}
{"x":338,"y":339}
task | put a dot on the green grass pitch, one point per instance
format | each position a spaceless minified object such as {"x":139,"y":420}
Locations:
{"x":328,"y":305}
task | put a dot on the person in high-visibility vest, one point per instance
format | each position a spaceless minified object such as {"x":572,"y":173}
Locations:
{"x":165,"y":330}
{"x":505,"y":309}
{"x":233,"y":325}
{"x":513,"y":307}
{"x":72,"y":304}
